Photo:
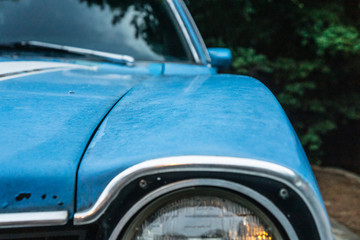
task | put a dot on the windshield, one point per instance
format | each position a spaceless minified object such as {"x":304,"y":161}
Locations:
{"x":144,"y":29}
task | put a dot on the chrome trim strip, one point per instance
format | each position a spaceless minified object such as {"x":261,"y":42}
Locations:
{"x":184,"y":30}
{"x":112,"y":57}
{"x":18,"y":75}
{"x":10,"y":68}
{"x":196,"y":29}
{"x":33,"y":219}
{"x":210,"y":164}
{"x":206,"y":183}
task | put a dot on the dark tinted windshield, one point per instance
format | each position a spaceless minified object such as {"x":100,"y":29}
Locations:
{"x":144,"y":29}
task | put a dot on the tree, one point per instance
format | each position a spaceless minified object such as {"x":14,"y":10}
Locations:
{"x":308,"y":54}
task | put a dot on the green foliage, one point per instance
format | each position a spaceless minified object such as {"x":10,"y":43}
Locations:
{"x":247,"y":62}
{"x":306,"y":52}
{"x":338,"y":40}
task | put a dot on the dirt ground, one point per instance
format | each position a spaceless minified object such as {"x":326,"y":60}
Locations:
{"x":341,"y":194}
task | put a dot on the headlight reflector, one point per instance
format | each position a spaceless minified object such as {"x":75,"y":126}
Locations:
{"x":202,"y":214}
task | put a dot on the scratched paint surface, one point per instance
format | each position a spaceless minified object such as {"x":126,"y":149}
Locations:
{"x":219,"y":115}
{"x":46,"y":120}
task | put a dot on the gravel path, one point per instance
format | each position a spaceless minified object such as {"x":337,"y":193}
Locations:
{"x":341,"y":232}
{"x":341,"y":193}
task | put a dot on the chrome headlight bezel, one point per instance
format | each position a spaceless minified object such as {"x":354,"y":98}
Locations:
{"x":302,"y":211}
{"x":271,"y":210}
{"x":202,"y":213}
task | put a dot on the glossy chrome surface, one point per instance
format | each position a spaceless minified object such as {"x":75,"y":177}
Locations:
{"x":206,"y":183}
{"x":210,"y":164}
{"x":33,"y":219}
{"x":12,"y":69}
{"x":197,"y":32}
{"x":184,"y":31}
{"x":116,"y":58}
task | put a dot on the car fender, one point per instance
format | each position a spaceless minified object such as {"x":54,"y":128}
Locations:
{"x":218,"y":115}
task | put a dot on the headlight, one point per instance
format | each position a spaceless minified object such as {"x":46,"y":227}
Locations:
{"x":201,"y":213}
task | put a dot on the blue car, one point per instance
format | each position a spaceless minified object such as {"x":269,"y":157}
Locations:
{"x":115,"y":124}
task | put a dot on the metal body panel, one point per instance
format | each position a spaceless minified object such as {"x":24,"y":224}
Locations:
{"x":219,"y":115}
{"x":49,"y":111}
{"x":47,"y":119}
{"x":221,"y":166}
{"x":187,"y":69}
{"x":57,"y":135}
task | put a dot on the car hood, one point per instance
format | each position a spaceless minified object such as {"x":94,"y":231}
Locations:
{"x":217,"y":115}
{"x":48,"y":113}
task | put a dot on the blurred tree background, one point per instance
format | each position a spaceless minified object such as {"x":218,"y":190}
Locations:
{"x":308,"y":54}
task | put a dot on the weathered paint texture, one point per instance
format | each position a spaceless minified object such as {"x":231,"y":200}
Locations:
{"x":47,"y":119}
{"x":220,"y":115}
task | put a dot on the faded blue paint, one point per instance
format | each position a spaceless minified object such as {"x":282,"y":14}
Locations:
{"x":220,"y":57}
{"x":220,"y":115}
{"x":44,"y":129}
{"x":187,"y":69}
{"x":170,"y":109}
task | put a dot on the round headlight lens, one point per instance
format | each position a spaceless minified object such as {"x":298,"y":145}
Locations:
{"x":202,"y":213}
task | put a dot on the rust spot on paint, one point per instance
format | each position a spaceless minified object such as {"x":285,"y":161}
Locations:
{"x":21,"y":196}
